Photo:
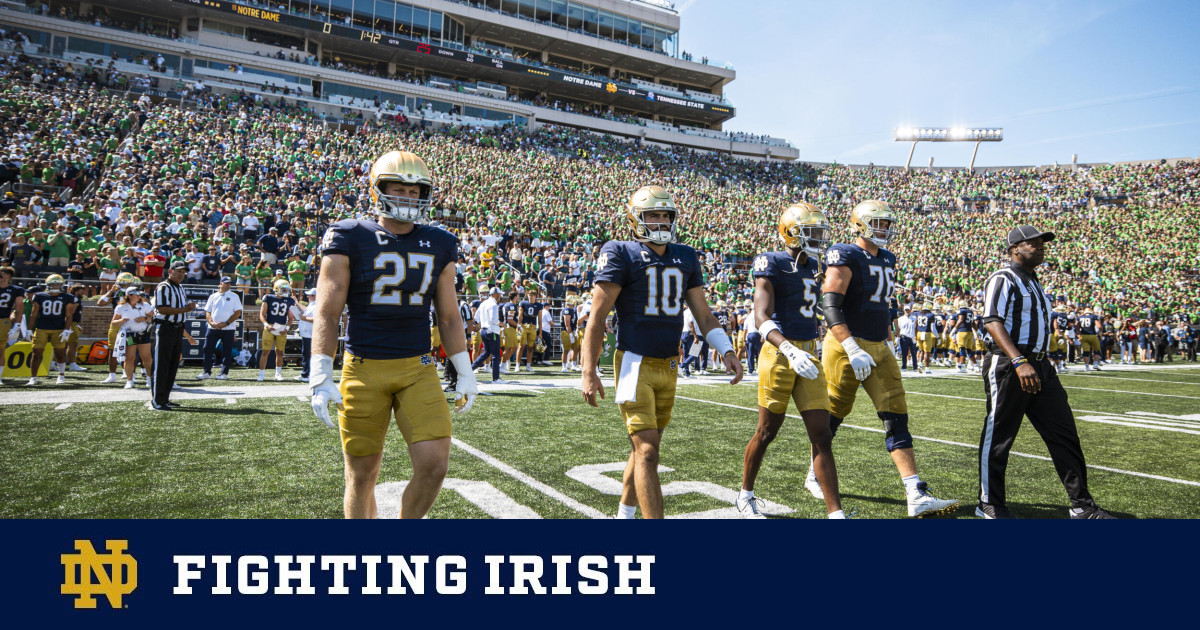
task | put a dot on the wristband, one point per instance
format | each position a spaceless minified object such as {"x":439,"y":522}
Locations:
{"x":767,"y":327}
{"x":1019,"y":361}
{"x":850,"y":346}
{"x":719,"y":341}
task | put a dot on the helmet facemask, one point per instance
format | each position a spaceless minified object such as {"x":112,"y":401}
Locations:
{"x":813,"y":239}
{"x":873,"y":233}
{"x":404,"y":209}
{"x":664,"y":235}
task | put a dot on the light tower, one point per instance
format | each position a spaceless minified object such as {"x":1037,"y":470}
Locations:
{"x":943,"y":134}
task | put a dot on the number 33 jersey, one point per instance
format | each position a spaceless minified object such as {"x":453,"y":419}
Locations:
{"x":393,"y":280}
{"x":650,"y":306}
{"x":866,"y":305}
{"x":796,"y":290}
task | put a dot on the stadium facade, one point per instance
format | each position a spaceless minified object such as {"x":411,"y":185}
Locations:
{"x":611,"y":66}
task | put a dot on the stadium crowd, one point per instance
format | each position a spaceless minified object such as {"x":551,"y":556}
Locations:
{"x":237,"y":185}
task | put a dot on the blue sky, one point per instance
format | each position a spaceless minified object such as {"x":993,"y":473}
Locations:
{"x":1109,"y":80}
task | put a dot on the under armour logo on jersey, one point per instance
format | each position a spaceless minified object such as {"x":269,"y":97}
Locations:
{"x":425,"y":243}
{"x":677,"y":261}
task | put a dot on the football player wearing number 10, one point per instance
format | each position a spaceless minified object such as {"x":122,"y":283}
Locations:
{"x":785,"y":299}
{"x":647,"y":280}
{"x":388,"y":274}
{"x":858,"y":284}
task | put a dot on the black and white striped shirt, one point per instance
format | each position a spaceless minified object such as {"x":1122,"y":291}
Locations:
{"x":1015,"y":297}
{"x":169,"y":295}
{"x":464,"y":311}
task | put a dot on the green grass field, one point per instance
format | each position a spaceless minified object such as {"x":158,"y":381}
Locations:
{"x":541,"y":451}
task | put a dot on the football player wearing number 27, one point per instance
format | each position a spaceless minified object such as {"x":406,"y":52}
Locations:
{"x":647,"y":281}
{"x":387,"y":274}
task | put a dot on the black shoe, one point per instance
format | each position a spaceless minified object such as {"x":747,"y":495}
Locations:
{"x":173,"y":405}
{"x":450,"y":387}
{"x":157,"y":407}
{"x":1089,"y":512}
{"x":992,"y":512}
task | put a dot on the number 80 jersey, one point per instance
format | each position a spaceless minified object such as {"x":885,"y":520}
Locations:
{"x":650,"y":306}
{"x":867,"y":298}
{"x":796,"y":293}
{"x":393,"y":280}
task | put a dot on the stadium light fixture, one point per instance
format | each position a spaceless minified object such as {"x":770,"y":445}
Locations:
{"x":943,"y":134}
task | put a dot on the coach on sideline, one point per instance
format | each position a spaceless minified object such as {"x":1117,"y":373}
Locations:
{"x":1019,"y":380}
{"x":222,"y":309}
{"x":170,"y":305}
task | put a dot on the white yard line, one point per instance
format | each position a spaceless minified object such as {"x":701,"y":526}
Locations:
{"x":972,"y":446}
{"x":582,"y":508}
{"x":63,"y":406}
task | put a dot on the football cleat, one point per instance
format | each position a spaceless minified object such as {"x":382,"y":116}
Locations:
{"x":261,"y":376}
{"x":32,"y":381}
{"x":1092,"y":511}
{"x":129,"y":385}
{"x":75,"y":367}
{"x":204,"y":376}
{"x":751,"y":508}
{"x":992,"y":512}
{"x":62,"y":380}
{"x":812,"y":485}
{"x":922,"y":503}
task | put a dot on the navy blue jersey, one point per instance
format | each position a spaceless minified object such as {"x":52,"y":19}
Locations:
{"x":1087,"y":324}
{"x":795,"y":288}
{"x":509,"y":311}
{"x":393,"y":280}
{"x":568,"y":315}
{"x":939,"y":324}
{"x":722,"y":319}
{"x":277,"y":308}
{"x":77,"y":318}
{"x":871,"y":283}
{"x":529,"y":312}
{"x":980,"y":329}
{"x":650,"y":306}
{"x":963,"y":320}
{"x":924,"y":321}
{"x":739,"y":319}
{"x":8,"y":298}
{"x":1062,"y":319}
{"x":52,"y":313}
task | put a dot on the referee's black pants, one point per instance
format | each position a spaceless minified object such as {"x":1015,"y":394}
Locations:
{"x":168,"y":347}
{"x":1050,"y":415}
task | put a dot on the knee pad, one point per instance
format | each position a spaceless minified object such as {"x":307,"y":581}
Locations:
{"x":834,"y":423}
{"x":895,"y":427}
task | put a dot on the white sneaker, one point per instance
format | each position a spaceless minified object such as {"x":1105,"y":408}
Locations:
{"x":928,"y":371}
{"x":812,"y":485}
{"x":111,"y":378}
{"x":221,"y":377}
{"x":565,"y":370}
{"x":300,"y":378}
{"x":261,"y":375}
{"x":32,"y":381}
{"x":175,"y":386}
{"x":529,"y":368}
{"x":924,"y":504}
{"x":278,"y":375}
{"x":751,"y":508}
{"x":962,"y":369}
{"x":204,"y":376}
{"x":62,"y":380}
{"x":129,"y":384}
{"x":504,"y":368}
{"x":76,"y":368}
{"x":499,"y":381}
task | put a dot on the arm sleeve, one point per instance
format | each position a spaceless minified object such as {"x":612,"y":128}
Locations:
{"x":995,"y":298}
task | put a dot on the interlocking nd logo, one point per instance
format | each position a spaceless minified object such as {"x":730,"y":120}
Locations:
{"x":87,"y":574}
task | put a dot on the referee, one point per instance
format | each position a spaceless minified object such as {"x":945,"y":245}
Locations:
{"x":469,"y":326}
{"x":1020,"y":381}
{"x":169,"y":307}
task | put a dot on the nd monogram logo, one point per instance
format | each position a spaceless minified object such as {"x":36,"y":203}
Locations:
{"x":118,"y":580}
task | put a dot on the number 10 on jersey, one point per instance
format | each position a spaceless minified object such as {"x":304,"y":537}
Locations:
{"x":664,"y":291}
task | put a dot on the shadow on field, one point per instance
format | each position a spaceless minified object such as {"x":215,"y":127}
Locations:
{"x":848,"y":501}
{"x":241,"y":411}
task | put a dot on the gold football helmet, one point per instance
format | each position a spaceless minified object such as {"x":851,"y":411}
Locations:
{"x":874,"y":221}
{"x":803,"y":226}
{"x":282,"y":287}
{"x":54,"y":284}
{"x":126,"y":280}
{"x":649,"y":198}
{"x":407,"y":168}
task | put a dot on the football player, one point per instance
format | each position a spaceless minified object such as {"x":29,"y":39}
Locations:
{"x":75,"y":325}
{"x":647,"y":280}
{"x":275,"y":312}
{"x":964,"y":333}
{"x":12,"y":310}
{"x":389,"y":273}
{"x":858,"y":282}
{"x":926,"y":335}
{"x":52,"y":309}
{"x":1060,"y":319}
{"x":510,"y":336}
{"x":785,"y":300}
{"x":531,"y":311}
{"x":569,"y":335}
{"x":1089,"y":340}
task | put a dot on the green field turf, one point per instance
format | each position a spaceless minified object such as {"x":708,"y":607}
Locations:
{"x":268,"y":457}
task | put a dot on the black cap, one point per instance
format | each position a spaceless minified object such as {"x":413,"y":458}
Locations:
{"x":178,"y":264}
{"x":1028,"y":232}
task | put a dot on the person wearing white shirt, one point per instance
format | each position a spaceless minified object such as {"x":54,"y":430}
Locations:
{"x":222,"y":310}
{"x":545,"y":328}
{"x":754,"y":340}
{"x":134,"y":316}
{"x":488,"y":317}
{"x":907,"y":326}
{"x":304,"y":327}
{"x":250,"y":227}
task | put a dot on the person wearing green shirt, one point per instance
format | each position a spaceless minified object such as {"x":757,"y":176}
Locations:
{"x":297,"y":271}
{"x":244,"y":272}
{"x":505,"y":280}
{"x":470,"y":282}
{"x":60,"y":247}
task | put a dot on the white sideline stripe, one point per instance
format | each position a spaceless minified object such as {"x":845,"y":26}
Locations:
{"x":584,"y":509}
{"x":230,"y":401}
{"x":302,"y":398}
{"x":63,"y":406}
{"x":1105,"y":377}
{"x":972,"y":446}
{"x":1103,"y":420}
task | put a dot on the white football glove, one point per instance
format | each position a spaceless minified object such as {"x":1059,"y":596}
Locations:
{"x":26,"y":334}
{"x":14,"y":334}
{"x":860,"y":361}
{"x":324,"y":391}
{"x":467,"y":388}
{"x":572,"y":338}
{"x":801,"y":361}
{"x":64,"y":335}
